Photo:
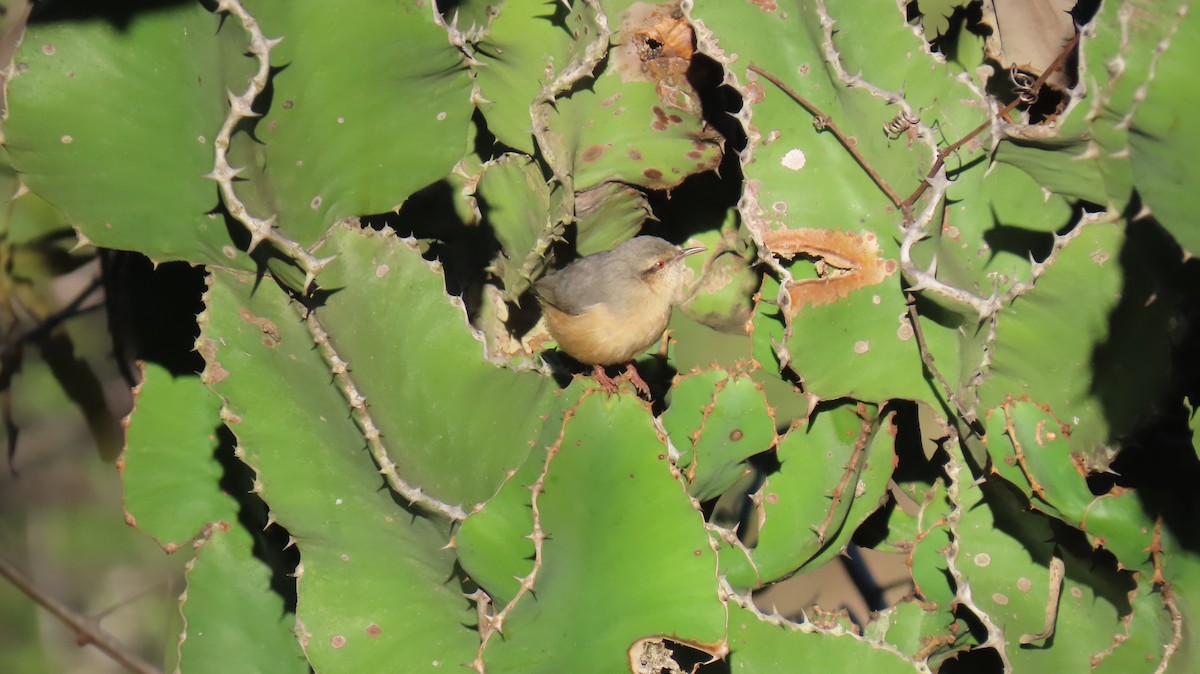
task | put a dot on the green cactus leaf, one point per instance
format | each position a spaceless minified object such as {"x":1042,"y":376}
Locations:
{"x":157,"y":202}
{"x":1118,"y":521}
{"x":411,"y":352}
{"x":1006,"y":556}
{"x":493,"y":542}
{"x":516,"y":202}
{"x":722,"y":295}
{"x":1096,"y":274}
{"x":1058,"y":166}
{"x":608,"y":215}
{"x":1004,"y":461}
{"x":354,"y":131}
{"x":606,"y":477}
{"x":168,"y":470}
{"x":1162,"y":139}
{"x":472,"y":18}
{"x":870,"y":491}
{"x":915,"y":630}
{"x":1140,"y":647}
{"x":717,"y":420}
{"x":760,"y":646}
{"x":639,"y":121}
{"x":1039,"y":445}
{"x":801,"y":177}
{"x":863,"y":346}
{"x":935,"y":16}
{"x":524,"y":40}
{"x":233,"y":619}
{"x":924,"y":547}
{"x":359,"y":549}
{"x":799,"y":515}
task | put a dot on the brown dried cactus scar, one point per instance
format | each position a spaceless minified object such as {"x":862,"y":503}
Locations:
{"x":606,"y":308}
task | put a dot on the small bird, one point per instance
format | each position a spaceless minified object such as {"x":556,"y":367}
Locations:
{"x":605,"y":308}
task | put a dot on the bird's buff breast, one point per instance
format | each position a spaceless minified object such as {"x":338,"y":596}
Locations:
{"x":599,"y":336}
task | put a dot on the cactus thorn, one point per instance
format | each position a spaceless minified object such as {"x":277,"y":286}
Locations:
{"x":81,"y":241}
{"x":256,"y":237}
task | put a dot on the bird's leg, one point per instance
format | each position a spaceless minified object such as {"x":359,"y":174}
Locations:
{"x":634,"y":378}
{"x":606,"y":382}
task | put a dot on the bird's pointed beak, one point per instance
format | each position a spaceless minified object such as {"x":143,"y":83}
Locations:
{"x":689,"y":251}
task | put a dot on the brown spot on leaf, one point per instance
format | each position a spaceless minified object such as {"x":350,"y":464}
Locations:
{"x":634,"y":154}
{"x":736,"y":434}
{"x":270,"y":331}
{"x":373,"y":630}
{"x":695,"y":154}
{"x":653,"y":174}
{"x":337,"y":641}
{"x":755,"y":93}
{"x":849,"y":262}
{"x":592,"y":153}
{"x":766,"y":5}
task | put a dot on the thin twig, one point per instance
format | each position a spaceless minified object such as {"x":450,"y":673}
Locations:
{"x":87,"y":631}
{"x":824,"y":122}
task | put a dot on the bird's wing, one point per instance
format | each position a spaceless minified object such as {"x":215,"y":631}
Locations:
{"x":587,"y":290}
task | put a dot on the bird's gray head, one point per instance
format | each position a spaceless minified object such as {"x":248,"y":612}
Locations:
{"x":654,"y":261}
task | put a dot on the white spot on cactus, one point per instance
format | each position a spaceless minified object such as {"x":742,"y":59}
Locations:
{"x":876,"y":299}
{"x":1077,"y":593}
{"x":67,"y":140}
{"x":315,"y":203}
{"x":337,"y":641}
{"x":862,"y":346}
{"x":201,"y":139}
{"x":229,"y":252}
{"x":904,"y":332}
{"x":341,"y":120}
{"x":1023,"y":584}
{"x":441,"y":116}
{"x":345,"y":558}
{"x":49,"y":49}
{"x":794,"y":159}
{"x":780,"y":207}
{"x":381,"y":271}
{"x":337,"y":501}
{"x":299,"y":162}
{"x":983,"y":559}
{"x":1100,"y":257}
{"x":1000,"y":599}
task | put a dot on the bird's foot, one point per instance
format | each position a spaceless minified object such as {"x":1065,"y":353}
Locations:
{"x":606,"y":382}
{"x":609,"y":384}
{"x":634,"y":378}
